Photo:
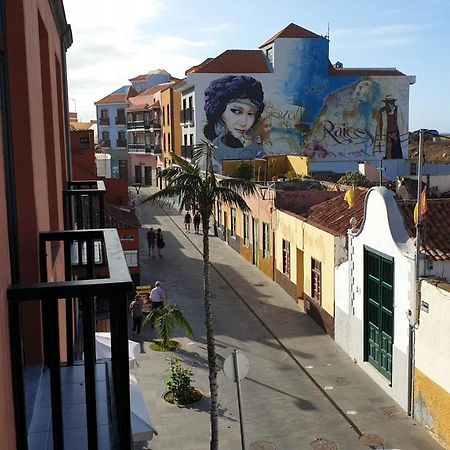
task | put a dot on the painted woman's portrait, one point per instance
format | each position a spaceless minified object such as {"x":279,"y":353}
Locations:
{"x":233,"y":105}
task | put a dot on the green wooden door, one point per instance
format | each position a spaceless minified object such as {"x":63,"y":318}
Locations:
{"x":379,"y":311}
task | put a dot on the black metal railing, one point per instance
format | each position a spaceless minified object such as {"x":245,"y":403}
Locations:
{"x":135,"y":124}
{"x":155,"y":148}
{"x":107,"y":277}
{"x":121,"y":120}
{"x":187,"y":115}
{"x":84,"y":205}
{"x":103,"y":121}
{"x":187,"y":151}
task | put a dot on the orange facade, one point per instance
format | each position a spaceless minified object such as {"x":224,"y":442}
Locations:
{"x":34,"y":172}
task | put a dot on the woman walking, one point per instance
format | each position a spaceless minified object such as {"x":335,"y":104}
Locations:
{"x":160,"y":244}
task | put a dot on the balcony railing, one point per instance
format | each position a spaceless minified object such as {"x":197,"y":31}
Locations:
{"x":103,"y":121}
{"x":187,"y":116}
{"x":132,"y":125}
{"x":121,"y":120}
{"x":121,"y":143}
{"x":104,"y":276}
{"x":84,"y":205}
{"x":187,"y":151}
{"x":156,"y":148}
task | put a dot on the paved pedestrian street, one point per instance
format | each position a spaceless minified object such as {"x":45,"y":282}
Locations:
{"x":302,"y":391}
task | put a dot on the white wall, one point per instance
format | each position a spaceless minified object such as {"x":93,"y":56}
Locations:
{"x":383,"y":231}
{"x":433,"y":335}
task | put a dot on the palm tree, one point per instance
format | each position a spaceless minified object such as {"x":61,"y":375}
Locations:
{"x":186,"y":181}
{"x":165,"y":320}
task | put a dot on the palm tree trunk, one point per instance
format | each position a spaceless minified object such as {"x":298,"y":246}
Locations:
{"x":214,"y":413}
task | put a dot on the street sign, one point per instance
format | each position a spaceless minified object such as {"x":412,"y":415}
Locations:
{"x":229,"y":366}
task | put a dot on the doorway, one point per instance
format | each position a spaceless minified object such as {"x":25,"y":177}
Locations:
{"x":379,"y":311}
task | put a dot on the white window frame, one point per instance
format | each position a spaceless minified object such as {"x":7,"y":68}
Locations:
{"x":233,"y":222}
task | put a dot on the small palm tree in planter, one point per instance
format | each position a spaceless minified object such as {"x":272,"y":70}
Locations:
{"x":165,"y":319}
{"x":179,"y":385}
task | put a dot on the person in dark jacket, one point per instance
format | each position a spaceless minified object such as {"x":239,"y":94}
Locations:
{"x":160,"y":244}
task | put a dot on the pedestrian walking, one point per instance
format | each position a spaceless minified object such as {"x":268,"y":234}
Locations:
{"x":151,"y":240}
{"x":160,"y":244}
{"x":157,"y":296}
{"x":197,"y":219}
{"x":136,"y":314}
{"x":187,"y":221}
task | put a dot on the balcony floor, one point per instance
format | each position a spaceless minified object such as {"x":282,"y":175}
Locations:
{"x":74,"y":411}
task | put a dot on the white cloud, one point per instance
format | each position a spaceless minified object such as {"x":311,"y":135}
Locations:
{"x":113,"y":42}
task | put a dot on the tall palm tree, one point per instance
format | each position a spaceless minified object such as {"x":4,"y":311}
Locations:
{"x":197,"y":180}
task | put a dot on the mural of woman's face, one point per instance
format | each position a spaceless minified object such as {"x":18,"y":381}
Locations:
{"x":239,"y":117}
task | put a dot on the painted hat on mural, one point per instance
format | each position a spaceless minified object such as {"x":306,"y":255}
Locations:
{"x":389,"y":99}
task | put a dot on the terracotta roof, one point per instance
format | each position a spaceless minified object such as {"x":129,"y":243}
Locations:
{"x":291,"y":31}
{"x":118,"y":98}
{"x":142,"y":106}
{"x":120,"y":218}
{"x":194,"y":68}
{"x":333,"y":216}
{"x":330,"y":177}
{"x":435,"y":239}
{"x":361,"y":71}
{"x":235,"y":61}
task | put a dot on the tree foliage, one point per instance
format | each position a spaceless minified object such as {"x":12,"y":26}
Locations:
{"x":355,"y":179}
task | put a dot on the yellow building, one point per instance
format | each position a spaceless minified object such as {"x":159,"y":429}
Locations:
{"x":307,"y":251}
{"x":170,"y":129}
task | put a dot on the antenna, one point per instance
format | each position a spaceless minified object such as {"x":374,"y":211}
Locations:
{"x":328,"y":31}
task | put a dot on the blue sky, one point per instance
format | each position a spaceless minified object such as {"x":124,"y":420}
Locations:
{"x":116,"y":40}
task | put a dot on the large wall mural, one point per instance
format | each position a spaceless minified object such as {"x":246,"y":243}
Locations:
{"x":304,"y":110}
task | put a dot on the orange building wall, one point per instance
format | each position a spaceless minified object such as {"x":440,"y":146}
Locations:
{"x":7,"y":434}
{"x":34,"y":56}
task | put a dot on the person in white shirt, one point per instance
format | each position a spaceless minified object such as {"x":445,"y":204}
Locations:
{"x":157,"y":296}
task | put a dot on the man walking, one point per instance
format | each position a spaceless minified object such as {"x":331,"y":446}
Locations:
{"x":187,"y":221}
{"x":197,"y":219}
{"x":151,"y":240}
{"x":157,"y":296}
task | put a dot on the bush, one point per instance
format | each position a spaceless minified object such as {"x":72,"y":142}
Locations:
{"x":178,"y":383}
{"x":291,"y":175}
{"x":354,"y":178}
{"x":245,"y":170}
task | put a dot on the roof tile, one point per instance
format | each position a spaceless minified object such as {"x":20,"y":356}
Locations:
{"x":291,"y":31}
{"x":435,"y":238}
{"x":235,"y":61}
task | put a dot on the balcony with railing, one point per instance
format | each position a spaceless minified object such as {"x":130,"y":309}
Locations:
{"x":187,"y":151}
{"x":187,"y":116}
{"x":103,"y":121}
{"x":121,"y":120}
{"x":79,"y":388}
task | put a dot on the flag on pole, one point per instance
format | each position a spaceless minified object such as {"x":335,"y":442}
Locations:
{"x":350,"y":197}
{"x":423,"y":207}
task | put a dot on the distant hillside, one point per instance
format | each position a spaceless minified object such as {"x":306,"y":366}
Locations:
{"x":436,"y":150}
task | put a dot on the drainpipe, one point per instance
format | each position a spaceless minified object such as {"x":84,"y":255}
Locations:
{"x":66,"y":42}
{"x":414,"y":317}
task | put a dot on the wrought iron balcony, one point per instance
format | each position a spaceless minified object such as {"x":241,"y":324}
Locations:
{"x":187,"y":116}
{"x":137,"y":148}
{"x":96,"y":258}
{"x":155,"y":148}
{"x":120,"y":120}
{"x":135,"y":124}
{"x":187,"y":151}
{"x":103,"y":121}
{"x":84,"y":205}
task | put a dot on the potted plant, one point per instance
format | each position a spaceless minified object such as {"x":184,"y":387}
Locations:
{"x":165,"y":319}
{"x":179,"y":385}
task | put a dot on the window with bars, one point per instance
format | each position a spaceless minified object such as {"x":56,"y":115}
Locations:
{"x":246,"y":228}
{"x":266,"y":240}
{"x":316,"y":280}
{"x":233,"y":222}
{"x":286,"y":258}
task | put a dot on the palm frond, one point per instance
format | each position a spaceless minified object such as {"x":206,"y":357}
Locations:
{"x":181,"y":321}
{"x":230,"y":197}
{"x":240,"y":185}
{"x":165,"y":195}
